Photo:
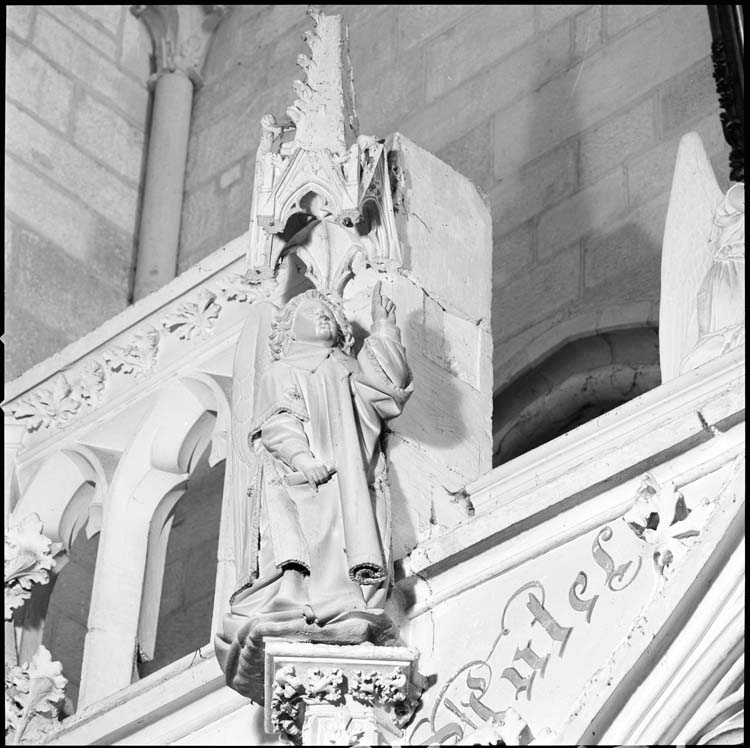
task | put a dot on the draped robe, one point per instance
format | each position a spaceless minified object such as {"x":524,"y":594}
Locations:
{"x":321,"y":401}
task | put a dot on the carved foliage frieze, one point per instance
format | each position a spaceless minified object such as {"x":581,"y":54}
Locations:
{"x":61,"y":397}
{"x":70,"y":393}
{"x":137,"y":355}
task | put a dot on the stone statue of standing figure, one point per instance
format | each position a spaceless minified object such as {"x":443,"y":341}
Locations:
{"x":317,"y":532}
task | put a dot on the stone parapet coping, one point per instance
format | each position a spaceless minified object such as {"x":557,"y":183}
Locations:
{"x":615,"y":447}
{"x":154,"y":698}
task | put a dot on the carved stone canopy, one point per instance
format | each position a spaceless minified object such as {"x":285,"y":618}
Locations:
{"x":321,"y":190}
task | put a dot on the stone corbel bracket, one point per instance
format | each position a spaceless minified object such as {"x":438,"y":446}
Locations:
{"x":320,"y":694}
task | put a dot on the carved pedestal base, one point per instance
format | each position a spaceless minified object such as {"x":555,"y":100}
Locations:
{"x":323,"y":694}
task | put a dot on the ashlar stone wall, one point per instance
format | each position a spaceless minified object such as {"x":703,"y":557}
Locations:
{"x":567,"y":116}
{"x":76,"y":116}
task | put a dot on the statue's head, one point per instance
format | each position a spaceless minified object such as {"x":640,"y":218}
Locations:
{"x":312,"y":318}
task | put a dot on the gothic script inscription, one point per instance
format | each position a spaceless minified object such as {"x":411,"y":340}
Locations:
{"x":462,"y":714}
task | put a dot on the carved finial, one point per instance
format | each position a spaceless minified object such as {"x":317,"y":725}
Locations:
{"x":324,"y":111}
{"x":321,"y":190}
{"x":181,"y":35}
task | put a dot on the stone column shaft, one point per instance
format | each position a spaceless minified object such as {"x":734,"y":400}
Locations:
{"x":164,"y":186}
{"x":181,"y":35}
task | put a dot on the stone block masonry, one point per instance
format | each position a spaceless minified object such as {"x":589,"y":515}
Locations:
{"x":567,"y":116}
{"x":76,"y":117}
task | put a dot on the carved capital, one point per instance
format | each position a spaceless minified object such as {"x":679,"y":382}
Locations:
{"x":339,"y":695}
{"x":181,"y":35}
{"x":28,"y":560}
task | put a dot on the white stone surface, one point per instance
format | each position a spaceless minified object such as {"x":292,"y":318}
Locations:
{"x":187,"y":703}
{"x":686,"y":256}
{"x":591,"y":648}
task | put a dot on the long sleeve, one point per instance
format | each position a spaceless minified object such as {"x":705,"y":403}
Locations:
{"x":385,"y":379}
{"x":284,"y":437}
{"x":278,"y":392}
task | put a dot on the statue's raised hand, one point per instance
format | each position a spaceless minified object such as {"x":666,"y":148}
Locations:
{"x":382,"y":307}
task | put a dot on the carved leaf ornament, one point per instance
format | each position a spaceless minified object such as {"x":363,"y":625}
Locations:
{"x":28,"y":559}
{"x":34,"y":690}
{"x":48,"y":405}
{"x":287,"y":703}
{"x":33,"y":693}
{"x":291,"y":694}
{"x":194,"y":318}
{"x":137,"y":356}
{"x":661,"y":518}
